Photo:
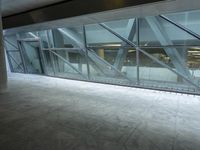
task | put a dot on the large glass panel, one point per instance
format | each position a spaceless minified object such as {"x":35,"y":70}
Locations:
{"x":11,"y":43}
{"x":155,"y":31}
{"x":45,"y":39}
{"x":153,"y":74}
{"x":15,"y":61}
{"x":96,"y":35}
{"x":110,"y":60}
{"x":27,"y":35}
{"x":32,"y":57}
{"x":68,"y":64}
{"x":188,"y":19}
{"x":13,"y":54}
{"x":64,"y":56}
{"x":126,"y":28}
{"x":49,"y":63}
{"x":147,"y":35}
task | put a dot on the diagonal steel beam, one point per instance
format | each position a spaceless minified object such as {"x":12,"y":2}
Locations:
{"x":48,"y":34}
{"x":104,"y":66}
{"x":122,"y":52}
{"x":66,"y":61}
{"x":181,"y":27}
{"x":10,"y":43}
{"x":77,"y":42}
{"x":164,"y":39}
{"x":60,"y":57}
{"x":86,"y":52}
{"x":149,"y":55}
{"x":18,"y":65}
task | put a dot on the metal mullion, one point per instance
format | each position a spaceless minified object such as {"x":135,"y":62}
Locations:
{"x":10,"y":43}
{"x":63,"y":49}
{"x":66,"y":61}
{"x":137,"y":51}
{"x":29,"y":39}
{"x":43,"y":60}
{"x":15,"y":62}
{"x":10,"y":62}
{"x":181,"y":27}
{"x":12,"y":50}
{"x":51,"y":55}
{"x":107,"y":47}
{"x":161,"y":46}
{"x":19,"y":43}
{"x":8,"y":56}
{"x":86,"y":52}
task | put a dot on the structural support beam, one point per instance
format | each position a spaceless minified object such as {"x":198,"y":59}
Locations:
{"x":150,"y":56}
{"x":122,"y":53}
{"x":163,"y":38}
{"x":3,"y":71}
{"x":137,"y":51}
{"x":181,"y":27}
{"x":78,"y":43}
{"x":67,"y":62}
{"x":98,"y":63}
{"x":86,"y":52}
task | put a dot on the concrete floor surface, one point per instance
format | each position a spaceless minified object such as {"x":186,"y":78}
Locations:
{"x":43,"y":113}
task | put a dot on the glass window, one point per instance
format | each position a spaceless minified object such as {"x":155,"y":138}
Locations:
{"x":117,"y":57}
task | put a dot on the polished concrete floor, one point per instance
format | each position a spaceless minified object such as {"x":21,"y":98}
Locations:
{"x":42,"y":113}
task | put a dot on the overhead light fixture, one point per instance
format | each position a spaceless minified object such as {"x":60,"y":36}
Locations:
{"x":195,"y":48}
{"x":193,"y":51}
{"x":112,"y":45}
{"x":131,"y":50}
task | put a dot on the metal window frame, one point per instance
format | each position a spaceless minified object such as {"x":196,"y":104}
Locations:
{"x":149,"y":55}
{"x":129,"y":44}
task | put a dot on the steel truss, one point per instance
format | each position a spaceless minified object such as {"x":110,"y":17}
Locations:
{"x":103,"y":67}
{"x":150,"y":56}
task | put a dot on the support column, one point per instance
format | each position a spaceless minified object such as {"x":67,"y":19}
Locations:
{"x":3,"y":72}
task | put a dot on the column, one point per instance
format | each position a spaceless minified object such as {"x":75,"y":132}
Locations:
{"x":3,"y":72}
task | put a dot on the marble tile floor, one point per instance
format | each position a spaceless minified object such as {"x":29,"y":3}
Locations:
{"x":43,"y":113}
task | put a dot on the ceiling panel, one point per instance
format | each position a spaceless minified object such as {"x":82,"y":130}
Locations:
{"x":10,"y":7}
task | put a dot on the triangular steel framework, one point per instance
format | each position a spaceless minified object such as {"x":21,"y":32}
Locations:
{"x":106,"y":69}
{"x":150,"y":56}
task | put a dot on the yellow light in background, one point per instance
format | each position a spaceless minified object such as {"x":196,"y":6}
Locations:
{"x":113,"y":3}
{"x":193,"y":51}
{"x":131,"y":50}
{"x":119,"y":2}
{"x":112,"y":45}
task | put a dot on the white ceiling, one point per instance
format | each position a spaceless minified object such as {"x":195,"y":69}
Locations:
{"x":10,"y":7}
